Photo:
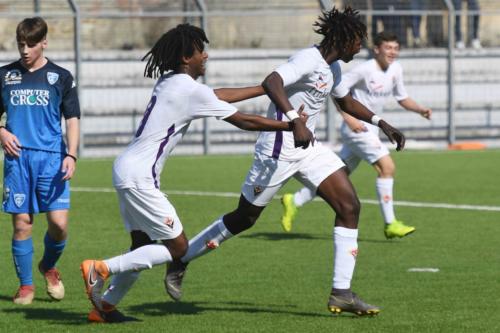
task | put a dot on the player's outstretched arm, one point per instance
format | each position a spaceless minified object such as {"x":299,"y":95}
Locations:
{"x":273,"y":86}
{"x":233,"y":95}
{"x":358,"y":110}
{"x":411,"y":105}
{"x":252,"y":122}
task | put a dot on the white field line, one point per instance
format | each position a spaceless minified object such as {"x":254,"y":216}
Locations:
{"x":423,"y":269}
{"x":365,"y":201}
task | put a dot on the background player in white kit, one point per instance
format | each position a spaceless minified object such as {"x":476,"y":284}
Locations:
{"x":371,"y":83}
{"x":309,"y":77}
{"x":178,"y":59}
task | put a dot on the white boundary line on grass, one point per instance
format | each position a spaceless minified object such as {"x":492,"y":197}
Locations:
{"x":366,"y":201}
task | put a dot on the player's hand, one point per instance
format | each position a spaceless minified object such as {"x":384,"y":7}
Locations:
{"x":303,"y":116}
{"x":357,"y":126}
{"x":68,"y":167}
{"x":393,"y":134}
{"x":426,"y":113}
{"x":301,"y":134}
{"x":10,"y":143}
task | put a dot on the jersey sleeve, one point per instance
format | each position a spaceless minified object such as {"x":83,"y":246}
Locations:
{"x":299,"y":65}
{"x":204,"y":103}
{"x":70,"y":106}
{"x":399,"y":90}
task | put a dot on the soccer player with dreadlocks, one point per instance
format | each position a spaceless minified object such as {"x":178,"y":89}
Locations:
{"x":177,"y":60}
{"x":308,"y":78}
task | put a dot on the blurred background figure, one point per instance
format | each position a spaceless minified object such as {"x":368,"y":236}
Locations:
{"x":472,"y":5}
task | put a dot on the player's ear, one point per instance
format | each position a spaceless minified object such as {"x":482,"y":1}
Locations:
{"x":185,"y":60}
{"x":44,"y":43}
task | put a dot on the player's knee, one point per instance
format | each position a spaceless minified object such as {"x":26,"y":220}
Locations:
{"x":350,"y":208}
{"x":178,"y":250}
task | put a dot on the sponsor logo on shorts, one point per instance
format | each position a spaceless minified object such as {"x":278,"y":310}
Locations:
{"x":52,"y":77}
{"x":354,"y":252}
{"x":212,"y":244}
{"x":13,"y":77}
{"x":19,"y":199}
{"x":63,"y":200}
{"x":257,"y":190}
{"x":169,"y":222}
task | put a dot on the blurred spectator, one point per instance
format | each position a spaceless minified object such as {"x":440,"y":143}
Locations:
{"x":472,"y":5}
{"x":394,"y":23}
{"x":415,"y":22}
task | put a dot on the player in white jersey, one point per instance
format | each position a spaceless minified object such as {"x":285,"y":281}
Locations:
{"x":178,"y":59}
{"x":371,"y":83}
{"x":308,"y":78}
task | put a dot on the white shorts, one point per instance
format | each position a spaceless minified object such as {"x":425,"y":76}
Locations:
{"x":267,"y":175}
{"x":149,"y":211}
{"x":360,"y":146}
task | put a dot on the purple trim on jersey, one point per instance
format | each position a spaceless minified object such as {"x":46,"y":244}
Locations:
{"x":145,"y":118}
{"x":171,"y":131}
{"x":278,"y":139}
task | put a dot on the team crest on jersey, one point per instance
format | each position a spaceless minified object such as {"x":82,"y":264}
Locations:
{"x":13,"y":77}
{"x":169,"y":222}
{"x":52,"y":77}
{"x":19,"y":199}
{"x":257,"y":190}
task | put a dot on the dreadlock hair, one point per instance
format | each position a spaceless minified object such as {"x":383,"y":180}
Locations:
{"x":385,"y":36}
{"x":167,"y":53}
{"x":340,"y":29}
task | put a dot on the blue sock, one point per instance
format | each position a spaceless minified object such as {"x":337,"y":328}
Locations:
{"x":22,"y":253}
{"x":53,"y":251}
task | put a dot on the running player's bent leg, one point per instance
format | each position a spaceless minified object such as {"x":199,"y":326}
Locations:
{"x":339,"y":193}
{"x":243,"y":218}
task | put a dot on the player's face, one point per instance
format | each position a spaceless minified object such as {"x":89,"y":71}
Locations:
{"x":31,"y":54}
{"x":197,"y":63}
{"x":386,"y":53}
{"x":349,"y":52}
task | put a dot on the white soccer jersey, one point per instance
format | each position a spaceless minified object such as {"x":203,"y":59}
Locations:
{"x":177,"y":99}
{"x":308,"y":80}
{"x":372,"y":86}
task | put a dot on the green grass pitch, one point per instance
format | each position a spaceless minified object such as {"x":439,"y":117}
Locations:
{"x":267,"y":281}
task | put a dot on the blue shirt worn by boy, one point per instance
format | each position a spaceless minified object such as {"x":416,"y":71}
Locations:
{"x":35,"y":102}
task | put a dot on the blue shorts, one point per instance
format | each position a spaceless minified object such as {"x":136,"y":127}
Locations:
{"x":33,"y":183}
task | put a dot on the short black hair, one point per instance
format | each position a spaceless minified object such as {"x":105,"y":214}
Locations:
{"x":31,"y":30}
{"x":340,"y":29}
{"x":167,"y":53}
{"x":385,"y":36}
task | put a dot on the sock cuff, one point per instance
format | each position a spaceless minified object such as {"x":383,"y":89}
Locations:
{"x":385,"y":181}
{"x":345,"y":232}
{"x":22,"y":247}
{"x":222,"y":228}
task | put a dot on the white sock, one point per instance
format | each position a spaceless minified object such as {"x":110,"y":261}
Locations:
{"x":119,"y":286}
{"x":303,"y":196}
{"x":144,"y":257}
{"x":346,"y":249}
{"x":384,"y":194}
{"x":209,"y":239}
